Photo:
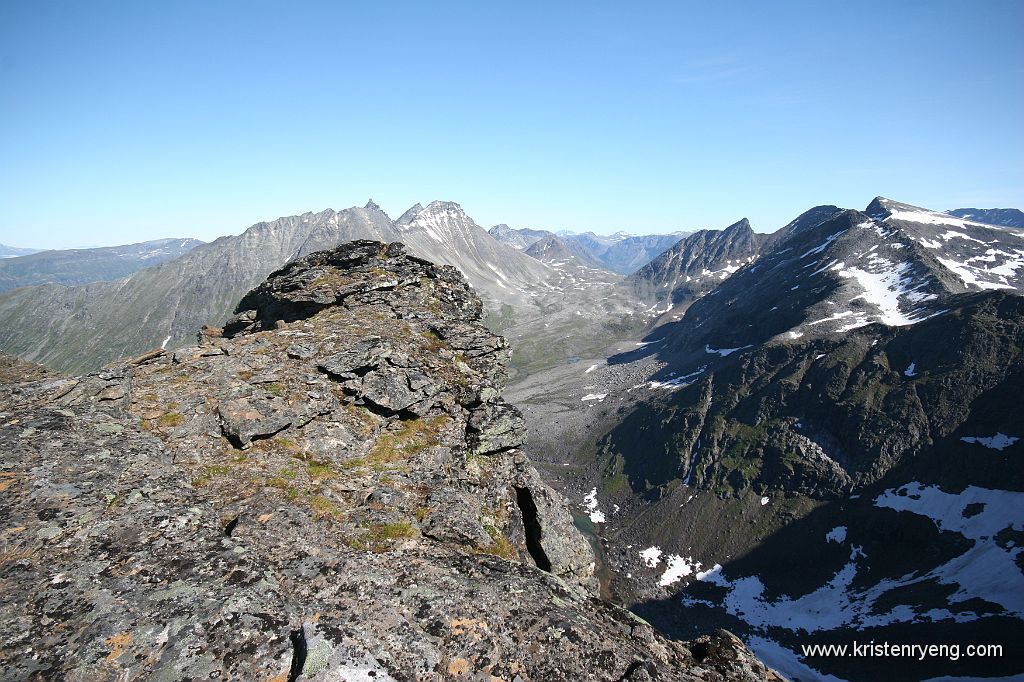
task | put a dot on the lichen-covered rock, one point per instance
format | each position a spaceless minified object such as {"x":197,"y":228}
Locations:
{"x":329,"y":490}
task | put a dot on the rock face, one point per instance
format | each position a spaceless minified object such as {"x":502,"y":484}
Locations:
{"x":15,"y":370}
{"x":697,"y":264}
{"x":329,"y":488}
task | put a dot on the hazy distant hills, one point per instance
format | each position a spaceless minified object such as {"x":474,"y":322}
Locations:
{"x":520,"y":238}
{"x":625,"y":253}
{"x":82,"y":327}
{"x":552,"y":249}
{"x":621,"y":252}
{"x":1004,"y":217}
{"x":10,"y":251}
{"x":81,"y":266}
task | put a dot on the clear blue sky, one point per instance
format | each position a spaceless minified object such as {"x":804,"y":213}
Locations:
{"x":124,"y":121}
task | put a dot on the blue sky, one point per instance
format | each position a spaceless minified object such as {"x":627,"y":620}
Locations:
{"x":128,"y":121}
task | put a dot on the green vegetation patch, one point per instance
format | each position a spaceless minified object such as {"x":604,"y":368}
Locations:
{"x":500,"y":545}
{"x":170,"y":419}
{"x":412,"y":437}
{"x":379,"y":536}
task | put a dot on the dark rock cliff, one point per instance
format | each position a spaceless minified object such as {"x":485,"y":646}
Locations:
{"x":328,"y":488}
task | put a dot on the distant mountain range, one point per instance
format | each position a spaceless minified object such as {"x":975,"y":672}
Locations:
{"x":77,"y":328}
{"x":81,"y":266}
{"x":621,"y":252}
{"x":11,"y":251}
{"x":1004,"y":217}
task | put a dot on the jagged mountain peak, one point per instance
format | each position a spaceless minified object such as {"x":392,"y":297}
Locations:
{"x":432,"y":213}
{"x":443,"y":221}
{"x":981,"y":256}
{"x":806,"y":220}
{"x":697,"y":263}
{"x":371,"y":205}
{"x":884,"y":209}
{"x":740,"y":226}
{"x":409,"y":215}
{"x":879,"y":207}
{"x":450,"y":207}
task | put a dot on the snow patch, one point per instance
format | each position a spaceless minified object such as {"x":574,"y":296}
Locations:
{"x":837,"y":535}
{"x":969,"y":275}
{"x":985,"y":571}
{"x":931,"y":218}
{"x":651,"y":556}
{"x":824,"y":245}
{"x":723,"y":351}
{"x":677,"y":382}
{"x":911,"y":370}
{"x":884,"y":289}
{"x":596,"y":515}
{"x":677,"y":567}
{"x":1000,"y":441}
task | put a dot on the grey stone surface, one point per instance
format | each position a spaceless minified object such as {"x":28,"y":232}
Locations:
{"x":245,"y":514}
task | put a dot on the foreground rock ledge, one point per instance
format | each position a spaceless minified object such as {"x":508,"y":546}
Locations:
{"x":327,"y":489}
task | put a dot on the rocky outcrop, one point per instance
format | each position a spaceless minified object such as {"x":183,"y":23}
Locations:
{"x":14,"y":370}
{"x":329,"y":488}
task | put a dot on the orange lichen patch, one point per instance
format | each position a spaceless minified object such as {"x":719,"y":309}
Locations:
{"x":15,"y":529}
{"x":124,"y":569}
{"x":7,"y":479}
{"x":263,"y":518}
{"x":469,"y":626}
{"x":458,"y":667}
{"x":117,"y":644}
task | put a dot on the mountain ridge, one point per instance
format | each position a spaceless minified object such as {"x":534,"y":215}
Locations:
{"x":763,"y":456}
{"x":75,"y":328}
